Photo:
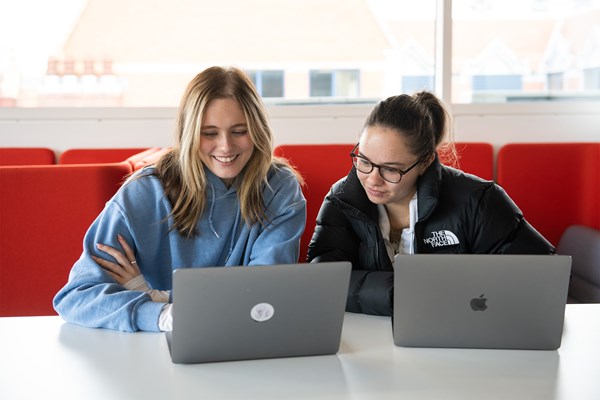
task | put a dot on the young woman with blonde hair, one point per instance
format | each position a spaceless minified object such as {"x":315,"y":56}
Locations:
{"x":218,"y":198}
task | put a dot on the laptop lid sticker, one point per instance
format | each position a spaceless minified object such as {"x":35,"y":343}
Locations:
{"x":262,"y":312}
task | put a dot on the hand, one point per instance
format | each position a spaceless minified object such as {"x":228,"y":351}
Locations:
{"x":126,"y":267}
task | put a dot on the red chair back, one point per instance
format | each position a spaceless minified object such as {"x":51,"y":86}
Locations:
{"x":321,"y":165}
{"x":45,"y":212}
{"x":475,"y":158}
{"x":556,"y":185}
{"x":26,"y":156}
{"x":97,"y":156}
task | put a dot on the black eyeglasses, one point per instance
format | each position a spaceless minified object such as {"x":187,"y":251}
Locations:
{"x":389,"y":174}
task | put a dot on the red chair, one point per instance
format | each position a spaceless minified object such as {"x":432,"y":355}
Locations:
{"x":97,"y":156}
{"x":45,"y":212}
{"x":556,"y":185}
{"x":321,"y":165}
{"x":475,"y":158}
{"x":26,"y":156}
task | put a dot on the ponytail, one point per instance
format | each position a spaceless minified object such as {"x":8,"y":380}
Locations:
{"x":440,"y":128}
{"x":423,"y":121}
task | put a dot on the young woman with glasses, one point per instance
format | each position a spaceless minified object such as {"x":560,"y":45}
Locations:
{"x":218,"y":198}
{"x":399,"y":199}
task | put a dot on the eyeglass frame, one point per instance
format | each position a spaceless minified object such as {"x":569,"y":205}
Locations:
{"x":353,"y":155}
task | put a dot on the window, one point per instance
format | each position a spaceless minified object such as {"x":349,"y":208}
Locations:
{"x":297,"y":51}
{"x":268,"y":83}
{"x":497,"y":82}
{"x":334,"y":83}
{"x":591,"y":78}
{"x":321,"y":83}
{"x":411,"y":84}
{"x":533,"y":50}
{"x":555,"y":81}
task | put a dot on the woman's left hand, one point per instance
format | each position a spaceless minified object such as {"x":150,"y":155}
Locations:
{"x":126,"y":267}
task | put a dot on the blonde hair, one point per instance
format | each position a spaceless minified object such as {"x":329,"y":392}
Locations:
{"x":182,"y":172}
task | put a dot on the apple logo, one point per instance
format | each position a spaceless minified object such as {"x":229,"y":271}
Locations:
{"x":478,"y":303}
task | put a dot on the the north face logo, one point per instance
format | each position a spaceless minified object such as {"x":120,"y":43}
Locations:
{"x":441,"y":238}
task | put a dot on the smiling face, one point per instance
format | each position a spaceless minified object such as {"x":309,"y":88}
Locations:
{"x":225,"y":143}
{"x":385,"y":146}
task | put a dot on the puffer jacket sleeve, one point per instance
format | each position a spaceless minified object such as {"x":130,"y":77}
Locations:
{"x":500,"y":228}
{"x":335,"y":239}
{"x":371,"y":292}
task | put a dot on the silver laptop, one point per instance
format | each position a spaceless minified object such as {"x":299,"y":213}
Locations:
{"x":242,"y":313}
{"x":480,"y":301}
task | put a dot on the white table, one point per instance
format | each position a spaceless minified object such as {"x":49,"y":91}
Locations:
{"x":45,"y":358}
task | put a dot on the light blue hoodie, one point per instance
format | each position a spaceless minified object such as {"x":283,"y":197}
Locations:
{"x":138,"y":212}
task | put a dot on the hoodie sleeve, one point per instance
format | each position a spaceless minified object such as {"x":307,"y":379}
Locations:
{"x":279,"y":240}
{"x":91,"y":297}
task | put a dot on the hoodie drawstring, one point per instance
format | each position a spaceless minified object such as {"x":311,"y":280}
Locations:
{"x":233,"y":233}
{"x":212,"y":207}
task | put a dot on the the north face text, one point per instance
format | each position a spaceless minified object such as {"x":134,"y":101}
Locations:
{"x":441,"y":238}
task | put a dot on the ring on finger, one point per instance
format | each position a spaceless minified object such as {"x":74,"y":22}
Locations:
{"x":133,"y":262}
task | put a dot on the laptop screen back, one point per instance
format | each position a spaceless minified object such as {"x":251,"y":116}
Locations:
{"x":240,"y":313}
{"x":480,"y":301}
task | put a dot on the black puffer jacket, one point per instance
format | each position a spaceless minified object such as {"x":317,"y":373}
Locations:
{"x":458,"y":213}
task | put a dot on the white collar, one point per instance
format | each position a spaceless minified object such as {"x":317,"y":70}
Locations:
{"x":406,"y":246}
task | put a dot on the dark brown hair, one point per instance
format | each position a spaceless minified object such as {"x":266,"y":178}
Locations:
{"x":422,"y":119}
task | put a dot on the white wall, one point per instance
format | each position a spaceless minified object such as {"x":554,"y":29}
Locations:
{"x":60,"y":129}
